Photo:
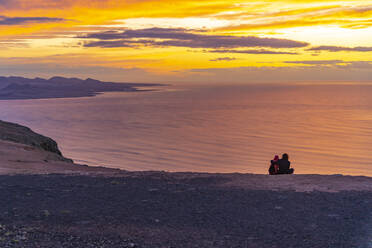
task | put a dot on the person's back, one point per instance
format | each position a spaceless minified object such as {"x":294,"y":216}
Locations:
{"x":284,"y":165}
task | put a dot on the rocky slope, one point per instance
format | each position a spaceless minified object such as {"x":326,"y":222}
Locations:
{"x":22,"y":151}
{"x":24,"y":135}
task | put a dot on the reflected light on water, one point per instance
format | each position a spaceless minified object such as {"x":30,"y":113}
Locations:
{"x":326,"y":129}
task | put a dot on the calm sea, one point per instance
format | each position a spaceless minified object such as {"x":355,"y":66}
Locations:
{"x":325,"y":129}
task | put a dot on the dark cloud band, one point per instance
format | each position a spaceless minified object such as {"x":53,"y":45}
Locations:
{"x":259,"y":51}
{"x":341,"y":49}
{"x":182,"y":38}
{"x":336,"y":63}
{"x":222,"y":59}
{"x":316,"y":62}
{"x":24,"y":20}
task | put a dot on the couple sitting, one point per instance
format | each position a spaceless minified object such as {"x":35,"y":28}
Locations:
{"x":280,"y":166}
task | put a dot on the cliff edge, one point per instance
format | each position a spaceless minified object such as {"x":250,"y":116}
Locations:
{"x":22,"y":151}
{"x":24,"y":135}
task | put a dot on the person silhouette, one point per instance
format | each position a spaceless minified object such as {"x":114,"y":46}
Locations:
{"x":284,"y":165}
{"x":274,"y":167}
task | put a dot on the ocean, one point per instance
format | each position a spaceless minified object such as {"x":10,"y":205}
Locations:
{"x":325,"y":128}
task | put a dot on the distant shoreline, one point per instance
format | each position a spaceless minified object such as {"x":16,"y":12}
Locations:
{"x":19,"y":88}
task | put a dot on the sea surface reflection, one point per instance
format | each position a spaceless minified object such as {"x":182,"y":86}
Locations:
{"x":326,"y":129}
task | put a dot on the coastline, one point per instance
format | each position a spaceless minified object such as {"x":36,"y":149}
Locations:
{"x":20,"y":88}
{"x":29,"y":153}
{"x":52,"y":202}
{"x":21,"y":159}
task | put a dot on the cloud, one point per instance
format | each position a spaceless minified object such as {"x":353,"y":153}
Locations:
{"x":109,"y":44}
{"x":11,"y":43}
{"x":300,"y":22}
{"x":254,"y":15}
{"x":48,"y":69}
{"x":344,"y":72}
{"x":334,"y":63}
{"x":353,"y":72}
{"x":259,"y":51}
{"x":168,"y":37}
{"x":86,"y":10}
{"x":223,"y":59}
{"x":341,"y":49}
{"x":25,"y":20}
{"x":357,"y":65}
{"x":316,"y":62}
{"x":343,"y":16}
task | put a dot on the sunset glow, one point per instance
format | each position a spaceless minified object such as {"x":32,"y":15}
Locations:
{"x":173,"y":41}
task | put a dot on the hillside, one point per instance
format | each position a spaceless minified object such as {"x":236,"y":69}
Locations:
{"x":60,"y":87}
{"x":22,"y":151}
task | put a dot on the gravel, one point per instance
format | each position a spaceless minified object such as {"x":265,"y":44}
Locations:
{"x":165,"y":211}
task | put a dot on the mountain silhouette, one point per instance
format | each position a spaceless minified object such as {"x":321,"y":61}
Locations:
{"x":60,"y":87}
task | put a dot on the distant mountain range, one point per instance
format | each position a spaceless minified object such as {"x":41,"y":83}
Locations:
{"x":60,"y":87}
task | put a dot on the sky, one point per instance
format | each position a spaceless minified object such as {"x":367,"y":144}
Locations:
{"x":188,"y":41}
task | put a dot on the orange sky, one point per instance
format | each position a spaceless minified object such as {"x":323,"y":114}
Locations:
{"x":187,"y":40}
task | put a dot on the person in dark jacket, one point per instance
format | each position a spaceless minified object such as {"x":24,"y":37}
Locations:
{"x":284,"y":165}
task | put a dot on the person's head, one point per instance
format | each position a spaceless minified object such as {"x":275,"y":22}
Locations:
{"x":285,"y":156}
{"x":276,"y":158}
